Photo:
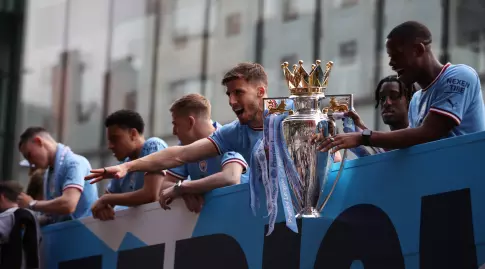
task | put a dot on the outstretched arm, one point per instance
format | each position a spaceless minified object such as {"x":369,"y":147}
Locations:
{"x":168,"y":158}
{"x":174,"y":156}
{"x":147,"y":194}
{"x":435,"y":126}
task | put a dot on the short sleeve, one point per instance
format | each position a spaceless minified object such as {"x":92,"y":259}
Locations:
{"x":224,"y":137}
{"x":180,"y":172}
{"x":458,"y":86}
{"x":152,"y":145}
{"x":74,"y":175}
{"x":234,"y":157}
{"x":114,"y":186}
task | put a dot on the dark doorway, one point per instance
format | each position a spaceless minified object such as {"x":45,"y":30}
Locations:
{"x":11,"y":47}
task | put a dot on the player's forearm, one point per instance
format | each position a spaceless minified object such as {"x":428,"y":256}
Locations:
{"x":134,"y":198}
{"x":61,"y":205}
{"x":218,"y":180}
{"x":147,"y":194}
{"x":402,"y":138}
{"x":161,"y":160}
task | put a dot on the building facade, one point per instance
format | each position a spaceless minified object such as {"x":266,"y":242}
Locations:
{"x":83,"y":59}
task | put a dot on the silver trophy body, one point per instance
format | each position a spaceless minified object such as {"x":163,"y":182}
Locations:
{"x":312,"y":165}
{"x":305,"y":119}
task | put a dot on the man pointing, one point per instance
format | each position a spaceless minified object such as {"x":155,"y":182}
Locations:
{"x":246,"y":86}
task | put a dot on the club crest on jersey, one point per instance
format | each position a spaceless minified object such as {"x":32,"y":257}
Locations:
{"x":203,"y":166}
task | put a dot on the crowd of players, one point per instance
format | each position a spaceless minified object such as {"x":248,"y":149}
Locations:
{"x":448,"y":103}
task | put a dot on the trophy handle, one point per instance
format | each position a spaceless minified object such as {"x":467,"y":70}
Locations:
{"x":336,"y":106}
{"x":337,"y":178}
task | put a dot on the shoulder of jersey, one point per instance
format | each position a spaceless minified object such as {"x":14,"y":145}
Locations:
{"x":155,"y":140}
{"x":463,"y":67}
{"x":232,"y":124}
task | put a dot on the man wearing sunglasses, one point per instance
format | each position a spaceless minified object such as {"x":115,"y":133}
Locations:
{"x":449,"y":104}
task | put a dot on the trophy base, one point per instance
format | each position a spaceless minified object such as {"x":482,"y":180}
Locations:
{"x":308,"y":213}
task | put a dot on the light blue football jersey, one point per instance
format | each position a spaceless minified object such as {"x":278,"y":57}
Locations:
{"x":68,"y":172}
{"x":238,"y":137}
{"x":134,"y":180}
{"x":201,"y":169}
{"x":455,"y":93}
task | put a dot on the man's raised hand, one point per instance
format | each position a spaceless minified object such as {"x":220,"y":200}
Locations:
{"x":116,"y":172}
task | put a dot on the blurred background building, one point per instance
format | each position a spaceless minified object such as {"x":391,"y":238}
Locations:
{"x":66,"y":64}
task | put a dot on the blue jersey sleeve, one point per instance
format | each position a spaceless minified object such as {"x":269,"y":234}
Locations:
{"x":180,"y":172}
{"x":234,"y":157}
{"x":226,"y":137}
{"x":152,"y":145}
{"x":74,"y":175}
{"x":457,"y":88}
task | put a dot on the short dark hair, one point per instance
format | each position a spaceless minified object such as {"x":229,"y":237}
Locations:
{"x":251,"y":72}
{"x":411,"y":31}
{"x":193,"y":103}
{"x":127,"y":119}
{"x":29,"y":133}
{"x":404,"y":90}
{"x":10,"y":189}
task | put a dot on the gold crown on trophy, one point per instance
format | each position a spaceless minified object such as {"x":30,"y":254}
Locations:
{"x":302,"y":83}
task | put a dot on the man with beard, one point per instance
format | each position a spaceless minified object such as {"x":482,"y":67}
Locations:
{"x":125,"y":139}
{"x":246,"y":86}
{"x":449,"y":104}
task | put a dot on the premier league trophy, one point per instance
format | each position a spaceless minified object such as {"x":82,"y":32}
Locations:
{"x":305,"y":169}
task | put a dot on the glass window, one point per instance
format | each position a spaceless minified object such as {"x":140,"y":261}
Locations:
{"x":291,"y":59}
{"x":233,"y":24}
{"x":467,"y":35}
{"x":44,"y":42}
{"x":348,"y":52}
{"x":175,"y":90}
{"x":189,"y":17}
{"x":87,"y":53}
{"x":348,"y":3}
{"x":290,"y":10}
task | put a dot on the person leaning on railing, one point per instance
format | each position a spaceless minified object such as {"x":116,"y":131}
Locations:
{"x":449,"y":104}
{"x":20,"y":235}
